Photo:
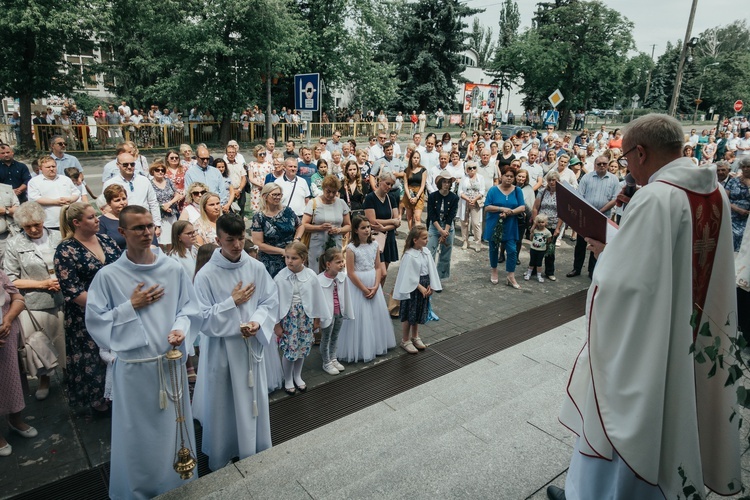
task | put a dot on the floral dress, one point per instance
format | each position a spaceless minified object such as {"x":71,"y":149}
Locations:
{"x":177,"y":176}
{"x":298,"y":336}
{"x":278,"y":231}
{"x":257,"y":171}
{"x":739,"y":195}
{"x":75,"y":267}
{"x":11,"y":390}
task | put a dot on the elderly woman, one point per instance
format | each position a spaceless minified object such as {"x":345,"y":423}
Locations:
{"x":187,"y":160}
{"x":11,"y":391}
{"x":109,"y":222}
{"x":566,"y":174}
{"x":471,"y":191}
{"x":168,"y":197}
{"x":256,"y":174}
{"x":381,"y":209}
{"x":546,"y":204}
{"x":738,"y":191}
{"x":327,"y":218}
{"x":274,"y":227}
{"x":78,"y":258}
{"x":29,"y":264}
{"x":504,"y":203}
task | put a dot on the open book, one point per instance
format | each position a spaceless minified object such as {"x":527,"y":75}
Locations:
{"x":582,"y":216}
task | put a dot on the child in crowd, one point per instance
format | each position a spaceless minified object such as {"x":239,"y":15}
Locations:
{"x":74,"y":175}
{"x":370,"y":333}
{"x":336,"y":293}
{"x":301,"y":309}
{"x":239,"y":304}
{"x":183,"y":248}
{"x":417,"y":279}
{"x":541,"y":238}
{"x":316,"y":181}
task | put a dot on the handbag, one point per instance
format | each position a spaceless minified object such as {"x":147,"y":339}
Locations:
{"x":38,"y":351}
{"x":305,"y":239}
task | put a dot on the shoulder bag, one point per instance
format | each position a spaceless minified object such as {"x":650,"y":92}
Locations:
{"x":37,"y":351}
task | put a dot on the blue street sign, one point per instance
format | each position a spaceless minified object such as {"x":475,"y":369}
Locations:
{"x":306,"y":92}
{"x":551,"y":117}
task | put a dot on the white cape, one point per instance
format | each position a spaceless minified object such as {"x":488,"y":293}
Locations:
{"x":345,"y":298}
{"x":231,"y":398}
{"x":631,"y":391}
{"x":311,"y":294}
{"x":408,"y":273}
{"x":143,"y":435}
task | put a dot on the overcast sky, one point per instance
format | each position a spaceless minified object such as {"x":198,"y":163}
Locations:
{"x":656,"y":21}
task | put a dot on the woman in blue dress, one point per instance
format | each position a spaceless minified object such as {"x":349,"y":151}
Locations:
{"x":738,"y":191}
{"x":503,"y":204}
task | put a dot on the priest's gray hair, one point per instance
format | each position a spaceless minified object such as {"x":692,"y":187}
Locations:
{"x":29,"y":213}
{"x":657,"y":131}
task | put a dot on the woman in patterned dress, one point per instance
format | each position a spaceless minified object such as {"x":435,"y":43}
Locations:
{"x":168,"y":197}
{"x":176,"y":174}
{"x":11,"y":391}
{"x":256,"y":174}
{"x":77,"y":260}
{"x":274,"y":227}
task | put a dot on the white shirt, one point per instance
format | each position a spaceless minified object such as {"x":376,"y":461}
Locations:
{"x":59,"y":187}
{"x":298,"y":194}
{"x":375,"y":153}
{"x":430,"y":159}
{"x":139,"y":192}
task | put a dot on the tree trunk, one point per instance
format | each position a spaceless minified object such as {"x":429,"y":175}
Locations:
{"x":27,"y":141}
{"x":225,"y":129}
{"x":269,"y":124}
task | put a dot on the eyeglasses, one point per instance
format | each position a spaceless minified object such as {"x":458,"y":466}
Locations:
{"x":199,"y":193}
{"x":322,"y":142}
{"x":60,"y":144}
{"x":275,"y":195}
{"x":145,"y":228}
{"x":471,"y":168}
{"x":622,"y":161}
{"x":203,"y":158}
{"x":162,"y":170}
{"x":601,"y":164}
{"x":127,"y":164}
{"x":261,"y":154}
{"x":174,"y":157}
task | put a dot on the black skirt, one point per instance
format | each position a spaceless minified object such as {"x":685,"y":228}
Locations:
{"x":414,"y":310}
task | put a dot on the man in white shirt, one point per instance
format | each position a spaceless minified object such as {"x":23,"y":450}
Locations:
{"x":376,"y":150}
{"x":62,"y":159}
{"x":518,"y":151}
{"x":111,"y":169}
{"x":52,"y":191}
{"x":535,"y":170}
{"x":137,"y":187}
{"x":334,"y":144}
{"x":393,"y":138}
{"x":430,"y":156}
{"x":487,"y":169}
{"x":433,"y":173}
{"x":294,"y":191}
{"x":743,"y":146}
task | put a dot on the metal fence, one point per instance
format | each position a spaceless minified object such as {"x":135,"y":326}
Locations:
{"x":89,"y":138}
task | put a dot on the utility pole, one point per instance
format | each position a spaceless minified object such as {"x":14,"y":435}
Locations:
{"x":683,"y":56}
{"x":651,"y":69}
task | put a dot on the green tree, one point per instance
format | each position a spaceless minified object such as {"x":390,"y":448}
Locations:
{"x":428,"y":53}
{"x":505,"y":64}
{"x":480,"y":39}
{"x":35,"y":35}
{"x":577,"y":46}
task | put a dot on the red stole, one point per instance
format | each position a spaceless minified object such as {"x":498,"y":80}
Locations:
{"x":706,"y":212}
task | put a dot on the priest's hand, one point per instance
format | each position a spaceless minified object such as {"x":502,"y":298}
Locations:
{"x":241,"y":295}
{"x":249,"y":329}
{"x":176,"y":337}
{"x":142,"y":298}
{"x":595,"y":246}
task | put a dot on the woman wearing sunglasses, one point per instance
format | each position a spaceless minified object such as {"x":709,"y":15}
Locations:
{"x":192,"y":211}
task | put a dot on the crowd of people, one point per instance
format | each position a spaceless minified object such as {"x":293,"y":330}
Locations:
{"x":261,"y":259}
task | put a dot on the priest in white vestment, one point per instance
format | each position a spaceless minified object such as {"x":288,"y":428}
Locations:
{"x":646,"y":413}
{"x":140,"y":307}
{"x":239,"y":302}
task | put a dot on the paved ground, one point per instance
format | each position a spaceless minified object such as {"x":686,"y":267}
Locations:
{"x":70,"y":442}
{"x":488,"y":430}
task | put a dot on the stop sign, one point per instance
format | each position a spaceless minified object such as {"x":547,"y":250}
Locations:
{"x":737,"y":105}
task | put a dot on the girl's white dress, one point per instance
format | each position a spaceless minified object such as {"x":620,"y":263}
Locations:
{"x":370,"y":334}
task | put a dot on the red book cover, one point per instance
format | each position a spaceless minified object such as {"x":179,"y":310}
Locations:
{"x":582,"y":216}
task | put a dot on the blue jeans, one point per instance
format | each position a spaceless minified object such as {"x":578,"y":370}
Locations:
{"x":444,"y":261}
{"x":510,"y":260}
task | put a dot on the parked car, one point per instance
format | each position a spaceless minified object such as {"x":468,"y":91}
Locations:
{"x":509,"y":130}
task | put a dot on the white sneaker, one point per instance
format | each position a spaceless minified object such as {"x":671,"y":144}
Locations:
{"x":330,"y":369}
{"x":527,"y":275}
{"x":558,"y":243}
{"x":338,"y":365}
{"x":540,"y":278}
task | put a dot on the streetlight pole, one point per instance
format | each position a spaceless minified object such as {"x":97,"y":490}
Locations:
{"x":650,"y":70}
{"x":700,"y":90}
{"x":683,"y":56}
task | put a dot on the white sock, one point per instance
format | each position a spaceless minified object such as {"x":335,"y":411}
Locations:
{"x":288,"y":367}
{"x":298,"y":372}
